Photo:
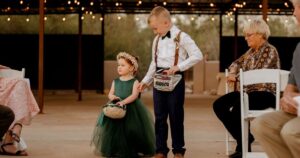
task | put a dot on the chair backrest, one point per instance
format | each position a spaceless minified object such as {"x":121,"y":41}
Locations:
{"x":284,"y":77}
{"x":255,"y":77}
{"x":12,"y":73}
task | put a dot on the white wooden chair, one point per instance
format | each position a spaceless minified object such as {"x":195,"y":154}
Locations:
{"x":283,"y":82}
{"x":279,"y":77}
{"x":12,"y":73}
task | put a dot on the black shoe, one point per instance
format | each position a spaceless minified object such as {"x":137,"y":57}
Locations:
{"x":236,"y":154}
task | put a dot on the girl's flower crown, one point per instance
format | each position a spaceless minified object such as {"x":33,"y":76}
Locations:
{"x":131,"y":58}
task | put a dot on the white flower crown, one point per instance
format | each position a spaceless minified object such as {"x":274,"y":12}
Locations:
{"x":131,"y":58}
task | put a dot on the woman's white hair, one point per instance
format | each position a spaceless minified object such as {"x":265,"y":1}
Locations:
{"x":257,"y":26}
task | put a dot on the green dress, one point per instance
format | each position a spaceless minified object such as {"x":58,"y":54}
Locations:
{"x":129,"y":137}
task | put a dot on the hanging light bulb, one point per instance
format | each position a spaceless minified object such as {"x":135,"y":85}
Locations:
{"x":64,"y":19}
{"x":92,"y":3}
{"x":101,"y":18}
{"x":27,"y":19}
{"x":21,"y":2}
{"x":8,"y":19}
{"x":45,"y":18}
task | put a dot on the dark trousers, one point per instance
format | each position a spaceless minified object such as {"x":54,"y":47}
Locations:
{"x":169,"y":104}
{"x":228,"y":110}
{"x":6,"y":118}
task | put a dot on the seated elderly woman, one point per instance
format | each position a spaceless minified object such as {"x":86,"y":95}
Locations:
{"x":261,"y":54}
{"x":15,"y":93}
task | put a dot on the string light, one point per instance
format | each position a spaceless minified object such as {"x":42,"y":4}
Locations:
{"x":92,"y":3}
{"x":82,"y":17}
{"x":211,"y":5}
{"x":45,"y":18}
{"x":268,"y":19}
{"x":189,"y":3}
{"x":21,"y":2}
{"x":137,"y":18}
{"x":212,"y":19}
{"x":119,"y":18}
{"x":93,"y":17}
{"x":27,"y":19}
{"x":101,"y":18}
{"x":8,"y":19}
{"x":164,"y":3}
{"x":286,"y":4}
{"x":117,"y":4}
{"x":260,"y":6}
{"x":64,"y":19}
{"x":69,"y":2}
{"x":140,"y":2}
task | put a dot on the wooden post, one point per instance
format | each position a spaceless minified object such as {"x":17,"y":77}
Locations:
{"x":79,"y":84}
{"x":265,"y":9}
{"x":41,"y":57}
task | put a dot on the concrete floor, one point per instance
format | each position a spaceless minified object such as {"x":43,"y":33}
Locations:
{"x":65,"y":128}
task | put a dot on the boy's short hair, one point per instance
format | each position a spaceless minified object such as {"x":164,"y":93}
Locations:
{"x":160,"y":11}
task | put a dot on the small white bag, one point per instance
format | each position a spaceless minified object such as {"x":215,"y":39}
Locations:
{"x":166,"y":83}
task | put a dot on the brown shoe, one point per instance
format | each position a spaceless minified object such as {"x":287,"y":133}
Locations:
{"x":178,"y":155}
{"x":160,"y":155}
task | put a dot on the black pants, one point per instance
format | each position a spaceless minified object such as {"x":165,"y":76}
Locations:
{"x":6,"y":118}
{"x":169,"y":104}
{"x":228,"y":110}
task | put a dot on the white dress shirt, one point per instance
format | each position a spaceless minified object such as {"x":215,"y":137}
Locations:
{"x":189,"y":53}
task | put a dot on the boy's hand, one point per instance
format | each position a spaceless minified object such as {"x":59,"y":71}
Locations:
{"x":142,"y":86}
{"x":172,"y":70}
{"x":288,"y":104}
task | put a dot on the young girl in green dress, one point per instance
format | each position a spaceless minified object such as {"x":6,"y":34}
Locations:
{"x":132,"y":136}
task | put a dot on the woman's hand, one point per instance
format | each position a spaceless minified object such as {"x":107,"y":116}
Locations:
{"x":231,"y":78}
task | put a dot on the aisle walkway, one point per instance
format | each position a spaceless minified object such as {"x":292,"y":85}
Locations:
{"x":64,"y":131}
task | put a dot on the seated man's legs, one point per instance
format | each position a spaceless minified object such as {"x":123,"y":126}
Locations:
{"x":267,"y":130}
{"x":6,"y":118}
{"x":291,"y":135}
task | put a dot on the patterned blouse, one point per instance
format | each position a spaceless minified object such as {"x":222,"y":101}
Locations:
{"x":266,"y":57}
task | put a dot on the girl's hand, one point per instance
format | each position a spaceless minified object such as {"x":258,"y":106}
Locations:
{"x":121,"y":103}
{"x":113,"y":97}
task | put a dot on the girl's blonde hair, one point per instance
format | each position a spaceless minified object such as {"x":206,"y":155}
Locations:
{"x":160,"y":11}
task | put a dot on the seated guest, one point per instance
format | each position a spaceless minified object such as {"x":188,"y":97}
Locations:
{"x":261,"y":96}
{"x":278,"y":132}
{"x":16,"y":94}
{"x":7,"y":146}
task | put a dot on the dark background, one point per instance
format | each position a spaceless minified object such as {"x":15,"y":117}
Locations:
{"x":60,"y":59}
